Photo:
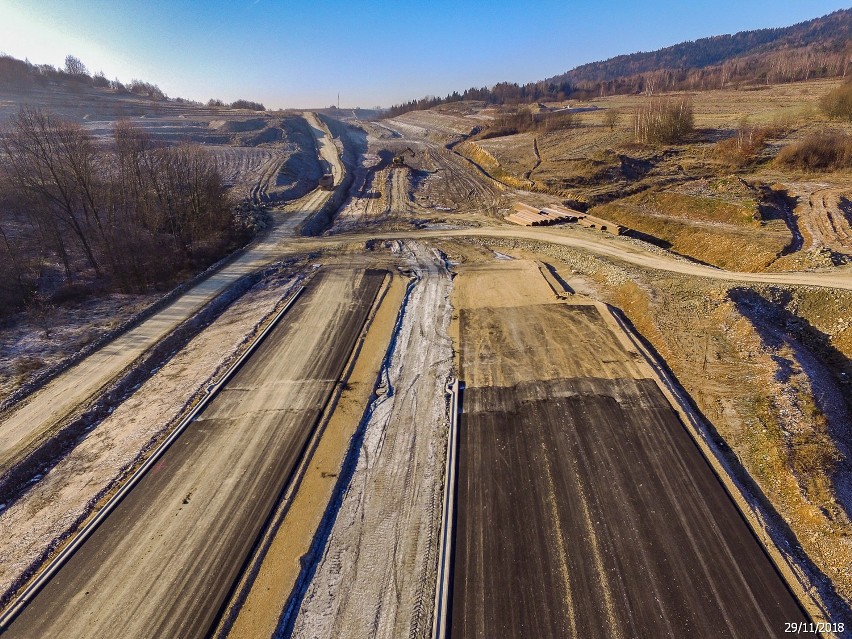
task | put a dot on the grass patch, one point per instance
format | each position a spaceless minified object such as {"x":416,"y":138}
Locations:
{"x":710,"y":230}
{"x":823,"y":151}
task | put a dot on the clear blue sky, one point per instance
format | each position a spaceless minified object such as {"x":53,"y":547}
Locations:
{"x":297,"y":53}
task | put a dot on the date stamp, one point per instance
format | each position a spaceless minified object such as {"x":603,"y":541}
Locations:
{"x":802,"y":627}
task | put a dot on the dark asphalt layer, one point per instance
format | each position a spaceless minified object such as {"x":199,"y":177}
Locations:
{"x":113,"y":586}
{"x":585,"y":509}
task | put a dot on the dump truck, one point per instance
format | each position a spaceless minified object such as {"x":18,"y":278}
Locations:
{"x":326,"y":182}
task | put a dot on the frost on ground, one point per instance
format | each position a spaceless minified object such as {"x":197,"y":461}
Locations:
{"x":31,"y":527}
{"x":376,"y":576}
{"x":32,"y":342}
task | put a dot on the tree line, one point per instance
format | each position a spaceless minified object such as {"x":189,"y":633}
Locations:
{"x":501,"y":93}
{"x":237,"y":104}
{"x":22,"y":73}
{"x":128,"y":214}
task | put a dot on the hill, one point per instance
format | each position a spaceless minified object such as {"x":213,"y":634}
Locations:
{"x":74,"y":93}
{"x":818,"y":48}
{"x":812,"y":49}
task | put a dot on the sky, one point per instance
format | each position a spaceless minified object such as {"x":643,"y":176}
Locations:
{"x":302,"y":53}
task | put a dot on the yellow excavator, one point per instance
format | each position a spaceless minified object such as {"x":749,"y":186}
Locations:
{"x":399,"y":159}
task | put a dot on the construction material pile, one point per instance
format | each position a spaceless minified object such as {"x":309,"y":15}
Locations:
{"x":526,"y":215}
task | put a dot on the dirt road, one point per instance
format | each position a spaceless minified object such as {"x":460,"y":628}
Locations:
{"x":599,"y":244}
{"x":165,"y":559}
{"x":325,"y":146}
{"x":585,"y":509}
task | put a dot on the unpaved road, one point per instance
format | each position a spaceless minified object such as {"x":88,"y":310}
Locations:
{"x":164,"y":561}
{"x":605,"y":245}
{"x":27,"y":425}
{"x":585,"y":509}
{"x":325,"y":146}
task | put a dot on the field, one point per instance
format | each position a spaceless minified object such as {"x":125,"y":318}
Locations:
{"x":561,"y":425}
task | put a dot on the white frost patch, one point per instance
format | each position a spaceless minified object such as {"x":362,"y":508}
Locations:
{"x":377,"y":575}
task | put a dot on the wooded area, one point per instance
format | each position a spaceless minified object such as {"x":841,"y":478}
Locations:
{"x":123,"y":214}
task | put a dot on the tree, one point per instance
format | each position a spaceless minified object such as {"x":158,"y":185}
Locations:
{"x":73,"y":66}
{"x":611,"y":118}
{"x":36,"y":151}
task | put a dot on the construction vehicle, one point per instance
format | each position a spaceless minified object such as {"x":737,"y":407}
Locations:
{"x":326,"y":182}
{"x":399,"y":159}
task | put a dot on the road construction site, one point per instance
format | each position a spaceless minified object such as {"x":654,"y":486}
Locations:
{"x":564,"y":426}
{"x":302,"y":493}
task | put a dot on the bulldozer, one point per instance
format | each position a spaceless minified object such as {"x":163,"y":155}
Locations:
{"x":399,"y":159}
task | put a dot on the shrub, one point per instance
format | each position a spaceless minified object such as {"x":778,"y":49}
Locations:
{"x":837,"y":104}
{"x":147,"y":89}
{"x":522,"y":120}
{"x":664,"y":120}
{"x":247,"y":104}
{"x":819,"y":152}
{"x":100,"y":80}
{"x":744,"y":146}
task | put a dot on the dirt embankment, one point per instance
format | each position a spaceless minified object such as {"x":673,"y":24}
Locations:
{"x":703,"y":226}
{"x":489,"y":164}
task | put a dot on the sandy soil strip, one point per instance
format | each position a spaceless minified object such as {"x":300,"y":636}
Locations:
{"x":376,"y":576}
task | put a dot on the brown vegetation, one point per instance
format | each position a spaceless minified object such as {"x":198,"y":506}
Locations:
{"x":819,"y":152}
{"x":745,"y":145}
{"x":837,"y":104}
{"x":128,"y":216}
{"x":524,"y":120}
{"x":663,"y":120}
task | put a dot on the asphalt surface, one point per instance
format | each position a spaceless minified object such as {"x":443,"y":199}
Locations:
{"x":585,"y":509}
{"x":165,"y":560}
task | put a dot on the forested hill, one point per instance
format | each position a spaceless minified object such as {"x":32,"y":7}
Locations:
{"x":816,"y":48}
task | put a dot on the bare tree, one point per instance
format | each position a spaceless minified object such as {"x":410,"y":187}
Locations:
{"x":73,"y":66}
{"x":37,"y":150}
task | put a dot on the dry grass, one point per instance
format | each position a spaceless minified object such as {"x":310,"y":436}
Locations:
{"x":823,"y":151}
{"x":709,"y":230}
